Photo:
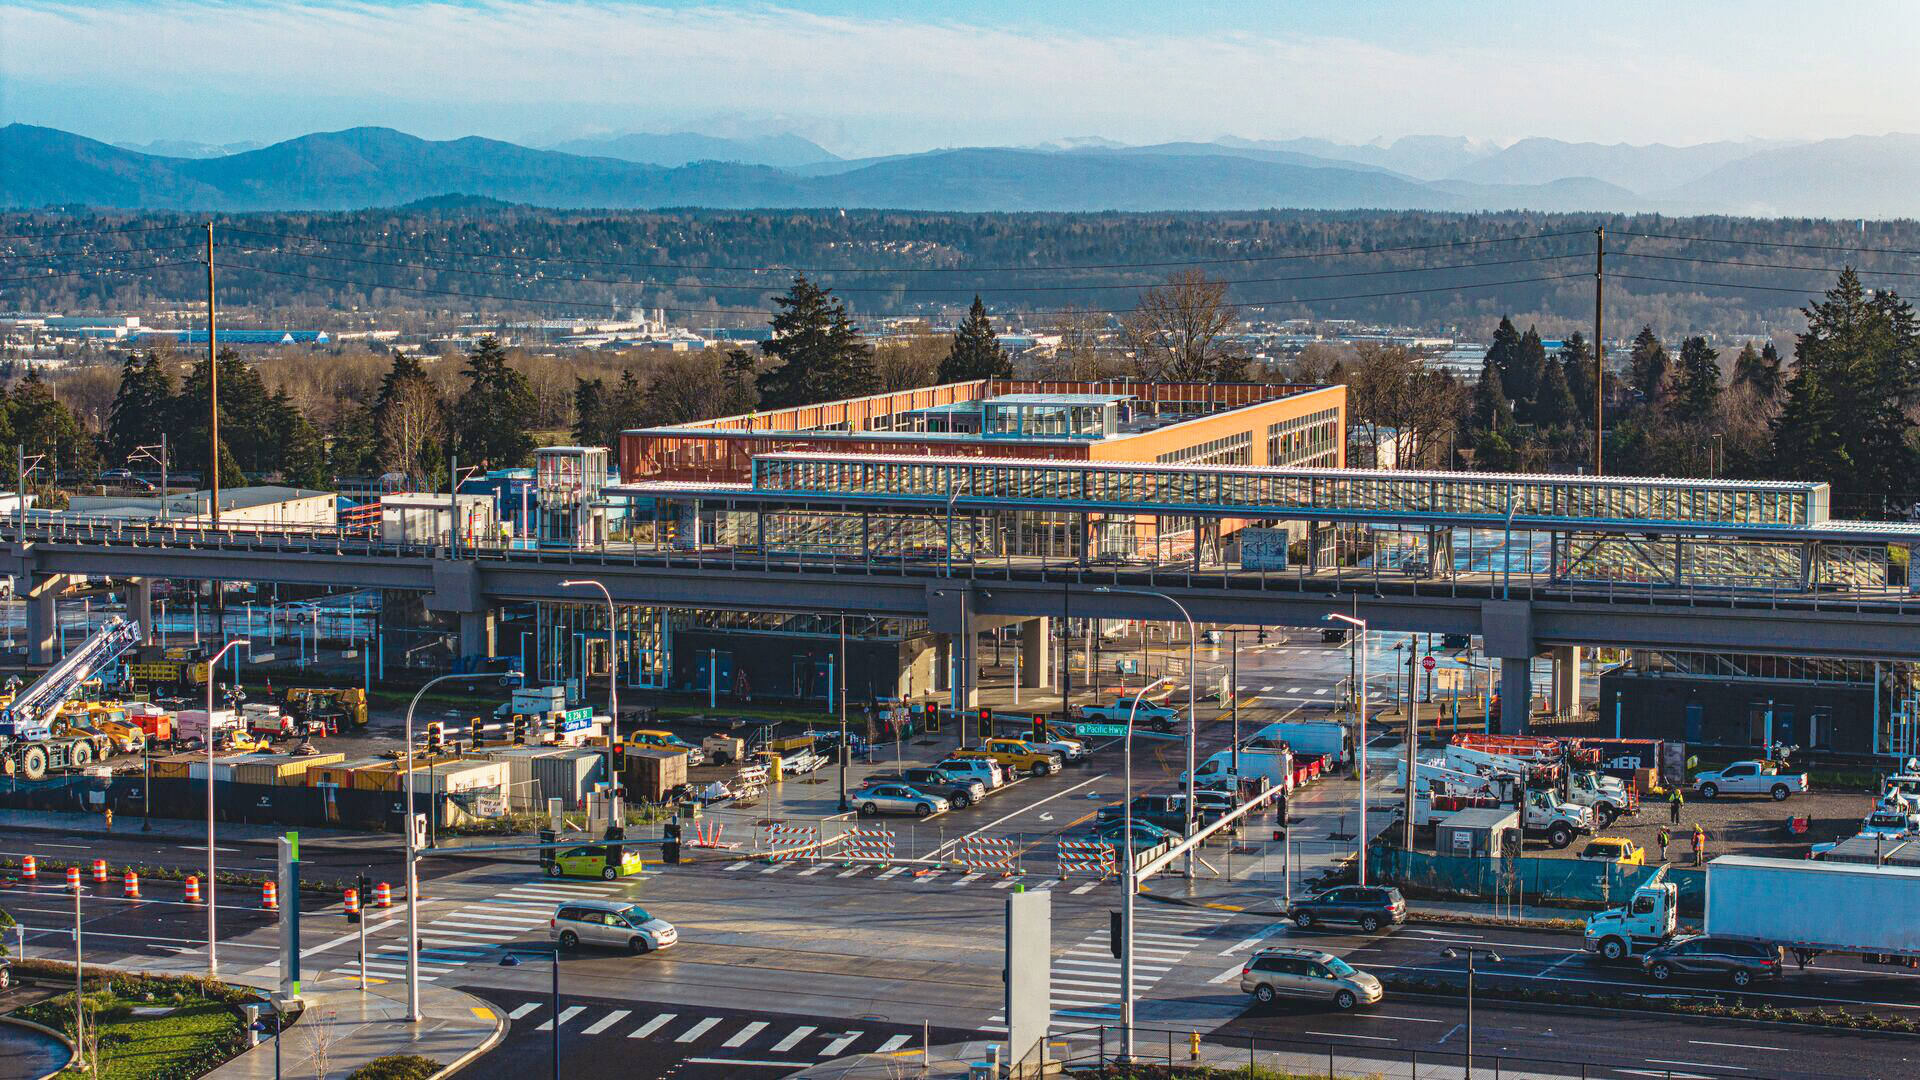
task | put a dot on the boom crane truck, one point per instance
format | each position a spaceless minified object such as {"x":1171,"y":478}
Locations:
{"x":28,"y":746}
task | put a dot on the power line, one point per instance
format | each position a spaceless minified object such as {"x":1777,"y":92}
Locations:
{"x":762,"y":312}
{"x":93,"y":232}
{"x":1711,"y":284}
{"x":885,"y":290}
{"x":1772,"y":243}
{"x":1765,"y":265}
{"x":776,"y":267}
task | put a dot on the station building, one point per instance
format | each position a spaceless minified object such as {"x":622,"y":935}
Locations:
{"x":742,"y":655}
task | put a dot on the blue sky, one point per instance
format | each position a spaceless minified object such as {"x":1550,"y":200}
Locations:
{"x":871,"y":76}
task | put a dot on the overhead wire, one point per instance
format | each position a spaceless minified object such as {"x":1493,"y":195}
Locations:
{"x":1767,"y":243}
{"x":104,"y":270}
{"x":1763,"y":265}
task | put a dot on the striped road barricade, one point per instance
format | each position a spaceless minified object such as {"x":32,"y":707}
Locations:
{"x":786,"y":843}
{"x":1087,"y":857}
{"x":986,"y":853}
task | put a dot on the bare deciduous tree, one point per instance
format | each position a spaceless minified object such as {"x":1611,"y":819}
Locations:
{"x":1082,"y":355}
{"x":912,"y":362}
{"x":1175,"y":330}
{"x":410,"y":424}
{"x":1408,"y":407}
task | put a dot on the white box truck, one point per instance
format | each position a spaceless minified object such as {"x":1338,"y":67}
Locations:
{"x":1307,"y":738}
{"x":1274,"y":764}
{"x":1806,"y":905}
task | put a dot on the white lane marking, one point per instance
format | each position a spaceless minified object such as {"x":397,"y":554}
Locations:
{"x":850,"y":872}
{"x":740,"y":1037}
{"x":1344,"y":1035}
{"x":566,"y":1014}
{"x":741,"y":865}
{"x":1006,"y":883}
{"x":748,"y":1061}
{"x":812,"y":870}
{"x":792,"y":1040}
{"x":651,"y":1026}
{"x":1078,"y":889}
{"x":699,"y":1029}
{"x":1031,"y":806}
{"x":522,"y":1010}
{"x":885,"y":874}
{"x":893,"y":1044}
{"x":1408,"y":1019}
{"x":372,"y":928}
{"x":1695,"y":1064}
{"x":1739,"y":1046}
{"x":606,"y":1022}
{"x":1256,"y":939}
{"x":835,"y":1048}
{"x":1231,"y":973}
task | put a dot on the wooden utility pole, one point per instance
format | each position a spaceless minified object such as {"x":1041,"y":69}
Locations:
{"x":1599,"y":351}
{"x":213,"y":393}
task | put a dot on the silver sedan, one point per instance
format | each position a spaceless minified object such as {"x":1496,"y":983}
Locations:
{"x":897,"y":799}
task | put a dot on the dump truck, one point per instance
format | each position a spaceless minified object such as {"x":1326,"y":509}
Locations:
{"x":1805,"y":905}
{"x":338,"y":708}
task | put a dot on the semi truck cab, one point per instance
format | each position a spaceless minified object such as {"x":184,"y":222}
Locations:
{"x":1649,"y":918}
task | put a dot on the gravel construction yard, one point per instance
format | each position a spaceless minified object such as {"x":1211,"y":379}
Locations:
{"x":1737,"y":825}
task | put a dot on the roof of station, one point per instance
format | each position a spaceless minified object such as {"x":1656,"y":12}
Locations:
{"x":1774,"y":509}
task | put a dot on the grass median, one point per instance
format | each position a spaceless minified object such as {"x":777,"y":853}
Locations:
{"x":143,"y":1028}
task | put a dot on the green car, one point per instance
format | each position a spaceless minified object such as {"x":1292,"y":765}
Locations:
{"x":591,"y":862}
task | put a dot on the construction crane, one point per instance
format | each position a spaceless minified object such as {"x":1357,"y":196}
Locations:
{"x":28,"y":745}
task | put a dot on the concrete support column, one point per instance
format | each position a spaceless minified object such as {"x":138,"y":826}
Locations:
{"x":1566,"y":679}
{"x":968,"y":667}
{"x":942,"y":663}
{"x":1516,"y":694}
{"x":1036,"y":653}
{"x":140,"y":606}
{"x":43,"y":628}
{"x":476,"y":633}
{"x":1313,"y":547}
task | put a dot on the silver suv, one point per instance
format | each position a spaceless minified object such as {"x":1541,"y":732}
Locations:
{"x":1309,"y":975}
{"x":611,"y":922}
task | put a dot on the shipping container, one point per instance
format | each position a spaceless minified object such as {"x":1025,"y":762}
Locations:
{"x":340,"y":773}
{"x":278,"y":770}
{"x":568,"y":775}
{"x":175,"y":766}
{"x":652,"y":772}
{"x":1478,"y":834}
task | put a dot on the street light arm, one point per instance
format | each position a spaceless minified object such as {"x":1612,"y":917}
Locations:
{"x":406,"y":829}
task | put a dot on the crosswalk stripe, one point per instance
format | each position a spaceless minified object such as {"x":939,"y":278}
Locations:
{"x":516,"y":921}
{"x":775,"y":868}
{"x":885,"y":874}
{"x":740,"y":1037}
{"x":970,"y":876}
{"x":1005,"y":883}
{"x":741,"y":865}
{"x":606,"y":1022}
{"x":651,"y":1026}
{"x":812,"y":870}
{"x":1083,"y":888}
{"x":838,"y":1046}
{"x":792,"y":1040}
{"x":522,"y":1010}
{"x":850,"y":872}
{"x":1293,"y":689}
{"x":1057,"y":981}
{"x":698,"y":1029}
{"x":566,"y":1014}
{"x":929,"y":876}
{"x":893,"y":1044}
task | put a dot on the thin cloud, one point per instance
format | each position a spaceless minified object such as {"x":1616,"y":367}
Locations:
{"x":895,"y":83}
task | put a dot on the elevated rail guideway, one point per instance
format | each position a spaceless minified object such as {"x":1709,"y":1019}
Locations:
{"x":1527,"y":561}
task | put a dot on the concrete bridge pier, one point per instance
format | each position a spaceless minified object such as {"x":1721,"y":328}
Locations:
{"x":1036,"y":653}
{"x":1506,"y":626}
{"x":476,"y":633}
{"x":1566,"y":679}
{"x":1516,"y":694}
{"x":43,"y":626}
{"x":140,"y":606}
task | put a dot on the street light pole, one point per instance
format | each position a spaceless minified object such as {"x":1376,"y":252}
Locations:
{"x":613,"y":670}
{"x":1454,"y":954}
{"x":844,"y":752}
{"x":1193,"y":699}
{"x":1128,"y":885}
{"x":213,"y":665}
{"x":1361,"y":646}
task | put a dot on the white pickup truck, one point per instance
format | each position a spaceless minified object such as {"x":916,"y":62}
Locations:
{"x":1750,"y":778}
{"x":1148,"y":715}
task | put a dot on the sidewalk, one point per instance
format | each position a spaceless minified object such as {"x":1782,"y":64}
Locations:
{"x":344,"y":1027}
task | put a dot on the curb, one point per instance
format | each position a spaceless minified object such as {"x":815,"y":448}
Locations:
{"x":44,"y":1030}
{"x":468,"y":1058}
{"x":1592,"y":1010}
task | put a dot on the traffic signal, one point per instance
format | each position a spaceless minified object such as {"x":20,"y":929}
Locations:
{"x":1039,"y":729}
{"x":1116,"y":935}
{"x":933,"y":720}
{"x":986,"y":722}
{"x":519,"y":730}
{"x":619,"y":758}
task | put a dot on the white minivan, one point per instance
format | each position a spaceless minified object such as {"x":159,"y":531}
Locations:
{"x":614,"y":923}
{"x":985,"y":770}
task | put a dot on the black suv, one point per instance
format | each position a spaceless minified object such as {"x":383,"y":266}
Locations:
{"x":959,"y":791}
{"x":1702,"y":957}
{"x":1169,"y":812}
{"x":1369,"y":907}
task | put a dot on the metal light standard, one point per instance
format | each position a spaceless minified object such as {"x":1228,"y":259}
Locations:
{"x":1193,"y":707}
{"x":613,"y":669}
{"x":512,"y":959}
{"x":413,"y":883}
{"x":1470,"y":951}
{"x":213,"y":665}
{"x":845,"y":752}
{"x":1360,"y":644}
{"x":1128,"y":885}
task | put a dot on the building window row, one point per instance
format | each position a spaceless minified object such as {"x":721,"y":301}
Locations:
{"x":1236,"y":449}
{"x":1313,"y":439}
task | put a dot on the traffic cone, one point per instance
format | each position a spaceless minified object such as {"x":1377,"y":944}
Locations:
{"x":270,"y":896}
{"x":351,"y":902}
{"x":193,"y":890}
{"x":73,"y":878}
{"x":132,"y":885}
{"x":382,"y":896}
{"x":29,"y":870}
{"x":99,"y":871}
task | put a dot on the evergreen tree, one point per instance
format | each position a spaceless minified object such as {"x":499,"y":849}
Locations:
{"x":304,"y":461}
{"x":408,"y":420}
{"x":1576,"y":367}
{"x":1492,"y":412}
{"x":1649,"y":370}
{"x":493,"y":423}
{"x":1555,"y":407}
{"x":821,"y":356}
{"x":250,"y":435}
{"x":740,"y":373}
{"x":1504,"y":354}
{"x":142,"y":405}
{"x":590,"y":412}
{"x":976,"y":353}
{"x":1696,"y":381}
{"x":1525,"y":383}
{"x":43,"y":425}
{"x":1856,"y":379}
{"x":1758,"y":372}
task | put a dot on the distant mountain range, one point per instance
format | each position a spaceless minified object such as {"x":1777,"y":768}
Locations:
{"x":1862,"y":176}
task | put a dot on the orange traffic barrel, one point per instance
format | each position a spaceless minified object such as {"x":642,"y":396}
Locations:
{"x":193,"y":890}
{"x":270,"y":896}
{"x":132,"y":884}
{"x":382,"y":896}
{"x":29,"y":870}
{"x":351,"y":902}
{"x":73,"y":878}
{"x":99,"y":871}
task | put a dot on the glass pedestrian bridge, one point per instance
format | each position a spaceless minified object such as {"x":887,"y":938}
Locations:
{"x":1387,"y":496}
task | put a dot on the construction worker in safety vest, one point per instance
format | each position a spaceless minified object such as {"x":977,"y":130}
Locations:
{"x":1665,"y":838}
{"x":1699,"y":845}
{"x":1674,"y":799}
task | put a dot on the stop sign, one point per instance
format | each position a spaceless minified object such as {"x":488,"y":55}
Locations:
{"x":1427,"y":662}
